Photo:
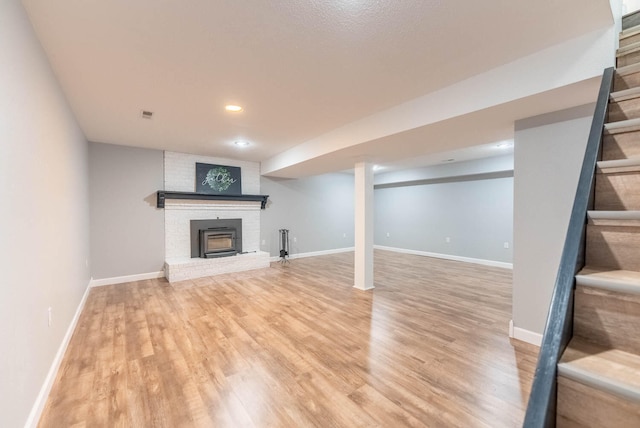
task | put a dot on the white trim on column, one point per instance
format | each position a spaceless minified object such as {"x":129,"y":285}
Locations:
{"x":525,"y":335}
{"x":41,"y":400}
{"x":363,"y":231}
{"x":126,"y":278}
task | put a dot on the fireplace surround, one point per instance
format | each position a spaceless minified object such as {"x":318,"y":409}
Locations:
{"x":182,"y":205}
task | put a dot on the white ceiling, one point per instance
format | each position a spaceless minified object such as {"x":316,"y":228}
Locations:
{"x":299,"y":68}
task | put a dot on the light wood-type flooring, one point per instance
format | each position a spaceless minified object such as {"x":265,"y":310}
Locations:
{"x":298,"y":346}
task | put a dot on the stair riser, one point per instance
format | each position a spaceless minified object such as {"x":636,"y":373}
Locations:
{"x":608,"y":318}
{"x":584,"y":406}
{"x":630,"y":20}
{"x":626,"y":41}
{"x":618,"y":191}
{"x":628,"y":59}
{"x":613,"y":247}
{"x":621,"y":146}
{"x":622,"y":110}
{"x":628,"y":81}
{"x":614,"y":222}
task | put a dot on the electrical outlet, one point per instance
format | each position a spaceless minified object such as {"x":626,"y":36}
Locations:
{"x":506,"y":245}
{"x":264,"y":242}
{"x":344,"y":235}
{"x":49,"y":318}
{"x":295,"y":239}
{"x":388,"y":234}
{"x":447,"y":239}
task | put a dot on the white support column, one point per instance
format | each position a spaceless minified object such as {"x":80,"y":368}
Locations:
{"x":363,"y":272}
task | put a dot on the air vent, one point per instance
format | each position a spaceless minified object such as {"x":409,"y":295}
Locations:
{"x":147,"y":114}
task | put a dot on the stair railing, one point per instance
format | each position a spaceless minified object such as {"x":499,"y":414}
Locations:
{"x":541,"y":409}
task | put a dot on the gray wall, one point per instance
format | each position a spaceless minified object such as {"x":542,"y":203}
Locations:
{"x":474,"y":212}
{"x":548,"y":155}
{"x":317,"y":210}
{"x":127,"y":230}
{"x":44,"y":215}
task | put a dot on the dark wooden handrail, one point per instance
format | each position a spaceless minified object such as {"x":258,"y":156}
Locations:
{"x":541,"y":410}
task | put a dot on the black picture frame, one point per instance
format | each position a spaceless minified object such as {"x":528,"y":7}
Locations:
{"x":218,"y":179}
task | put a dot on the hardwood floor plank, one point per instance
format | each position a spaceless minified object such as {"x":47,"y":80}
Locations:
{"x":297,"y":346}
{"x":381,"y":409}
{"x":327,"y":398}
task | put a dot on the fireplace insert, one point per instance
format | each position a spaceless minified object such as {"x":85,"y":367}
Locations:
{"x":218,"y":242}
{"x":216,"y":238}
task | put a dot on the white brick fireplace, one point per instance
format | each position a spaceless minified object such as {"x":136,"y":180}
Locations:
{"x":179,"y":176}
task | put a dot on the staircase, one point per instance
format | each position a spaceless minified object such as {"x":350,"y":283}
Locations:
{"x":598,"y":380}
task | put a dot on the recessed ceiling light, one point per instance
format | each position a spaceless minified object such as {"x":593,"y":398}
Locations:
{"x":233,"y":108}
{"x":241,"y":143}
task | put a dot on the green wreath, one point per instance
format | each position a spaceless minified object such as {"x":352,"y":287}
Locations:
{"x":218,"y":179}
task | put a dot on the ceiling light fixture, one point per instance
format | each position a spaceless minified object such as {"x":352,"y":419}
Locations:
{"x":241,"y":143}
{"x":504,"y":145}
{"x":233,"y":108}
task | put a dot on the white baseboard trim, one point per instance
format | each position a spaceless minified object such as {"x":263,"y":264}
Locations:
{"x":447,"y":257}
{"x":316,"y":253}
{"x":524,"y":335}
{"x":126,"y":278}
{"x":41,"y":400}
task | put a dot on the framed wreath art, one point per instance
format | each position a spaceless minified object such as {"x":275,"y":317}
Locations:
{"x":218,"y":179}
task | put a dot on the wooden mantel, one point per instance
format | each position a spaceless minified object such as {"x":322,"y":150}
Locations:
{"x":163,"y":195}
